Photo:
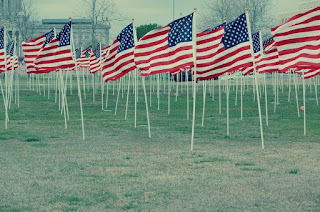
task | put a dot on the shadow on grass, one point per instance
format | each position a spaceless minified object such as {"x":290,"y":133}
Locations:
{"x":212,"y":160}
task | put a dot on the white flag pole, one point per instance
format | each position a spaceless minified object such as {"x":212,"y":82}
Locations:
{"x":296,"y":91}
{"x":195,"y":76}
{"x":128,"y":93}
{"x":265,"y":80}
{"x":304,"y":106}
{"x":79,"y":89}
{"x":6,"y":79}
{"x":255,"y":78}
{"x":143,"y":82}
{"x":187,"y":82}
{"x":204,"y":100}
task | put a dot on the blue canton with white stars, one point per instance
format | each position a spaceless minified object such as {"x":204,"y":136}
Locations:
{"x":236,"y":32}
{"x":2,"y":38}
{"x":180,"y":30}
{"x":126,"y":38}
{"x":97,"y":51}
{"x":78,"y":53}
{"x":86,"y":53}
{"x":64,"y":35}
{"x":10,"y":48}
{"x":266,"y":42}
{"x":49,"y":37}
{"x":256,"y":42}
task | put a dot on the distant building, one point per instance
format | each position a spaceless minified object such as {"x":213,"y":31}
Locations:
{"x":82,"y":28}
{"x":303,"y":7}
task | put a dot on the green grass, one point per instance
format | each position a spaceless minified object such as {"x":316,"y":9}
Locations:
{"x":245,"y":163}
{"x":293,"y":171}
{"x":213,"y":160}
{"x":45,"y":167}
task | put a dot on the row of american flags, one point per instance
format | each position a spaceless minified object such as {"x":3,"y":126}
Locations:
{"x":294,"y":45}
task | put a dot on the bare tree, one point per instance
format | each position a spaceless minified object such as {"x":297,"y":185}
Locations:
{"x":21,"y":15}
{"x":259,"y":12}
{"x":101,"y":13}
{"x":26,"y":19}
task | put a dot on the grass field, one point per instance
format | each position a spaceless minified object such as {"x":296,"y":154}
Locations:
{"x":45,"y":167}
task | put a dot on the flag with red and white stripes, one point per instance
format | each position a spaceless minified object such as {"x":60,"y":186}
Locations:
{"x":307,"y":74}
{"x":233,"y":52}
{"x":57,"y":53}
{"x":269,"y":62}
{"x":84,"y":60}
{"x":119,"y":60}
{"x":2,"y":51}
{"x":256,"y":53}
{"x":95,"y":59}
{"x":298,"y":41}
{"x":104,"y":52}
{"x":166,"y":49}
{"x":208,"y":43}
{"x":10,"y":55}
{"x":32,"y":47}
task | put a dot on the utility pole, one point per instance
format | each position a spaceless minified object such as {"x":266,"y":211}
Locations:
{"x":173,"y":3}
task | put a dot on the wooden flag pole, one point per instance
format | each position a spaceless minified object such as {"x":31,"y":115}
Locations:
{"x":296,"y":91}
{"x":128,"y":93}
{"x":241,"y":98}
{"x":107,"y":96}
{"x":79,"y":88}
{"x":219,"y":95}
{"x":265,"y":81}
{"x":316,"y":89}
{"x":304,"y":106}
{"x":188,"y":105}
{"x":194,"y":78}
{"x":84,"y":84}
{"x":177,"y":86}
{"x":204,"y":100}
{"x":266,"y":99}
{"x":63,"y":107}
{"x":255,"y":76}
{"x":158,"y":90}
{"x":65,"y":96}
{"x":150,"y":78}
{"x":169,"y":91}
{"x":236,"y":101}
{"x":6,"y":80}
{"x":119,"y":88}
{"x":147,"y":109}
{"x":56,"y":86}
{"x":227,"y":87}
{"x":135,"y":97}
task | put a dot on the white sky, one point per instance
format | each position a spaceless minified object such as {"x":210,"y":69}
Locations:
{"x":143,"y":11}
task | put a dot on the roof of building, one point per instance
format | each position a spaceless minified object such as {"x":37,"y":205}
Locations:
{"x":63,"y":21}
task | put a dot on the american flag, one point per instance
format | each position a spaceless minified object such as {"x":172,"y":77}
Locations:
{"x":207,"y":47}
{"x":119,"y":60}
{"x":2,"y":51}
{"x":233,"y":53}
{"x":84,"y":60}
{"x":104,"y":52}
{"x":298,"y":41}
{"x":166,"y":49}
{"x":256,"y":51}
{"x":269,"y":61}
{"x":95,"y":59}
{"x":309,"y":73}
{"x":10,"y":53}
{"x":57,"y":53}
{"x":78,"y":53}
{"x":32,"y":47}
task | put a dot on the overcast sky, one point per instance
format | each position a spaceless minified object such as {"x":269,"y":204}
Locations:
{"x":144,"y":11}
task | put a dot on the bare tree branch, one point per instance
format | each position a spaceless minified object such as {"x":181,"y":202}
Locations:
{"x":259,"y":11}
